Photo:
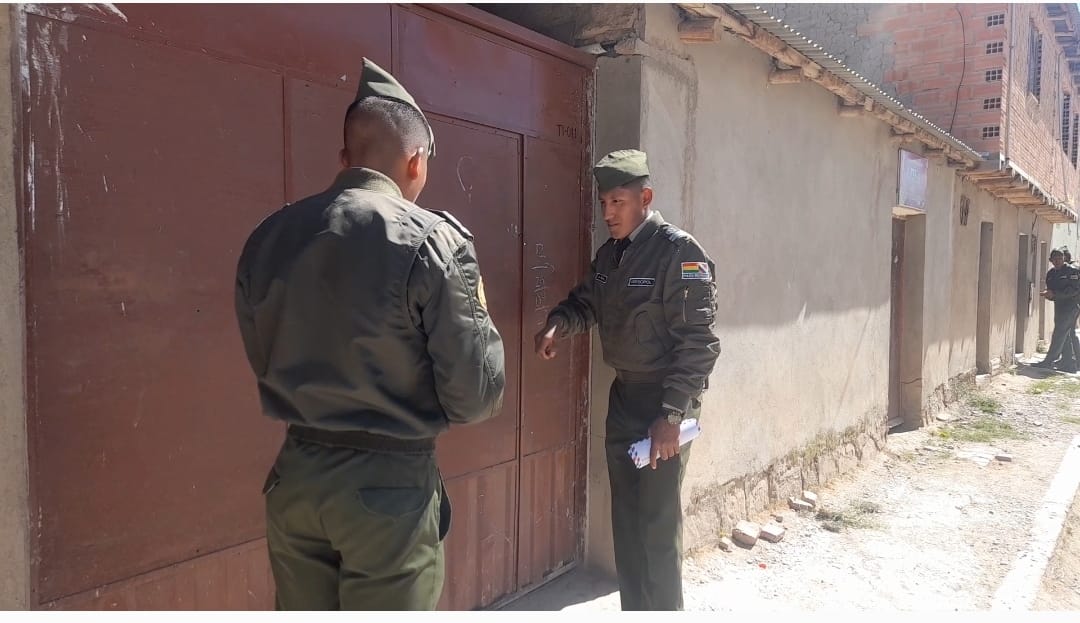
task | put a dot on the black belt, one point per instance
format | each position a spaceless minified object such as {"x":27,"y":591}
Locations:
{"x":641,"y":377}
{"x":360,"y":440}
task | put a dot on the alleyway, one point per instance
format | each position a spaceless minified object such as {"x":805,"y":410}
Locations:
{"x":963,"y":515}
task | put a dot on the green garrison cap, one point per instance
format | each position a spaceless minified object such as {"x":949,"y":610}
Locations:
{"x":620,"y":168}
{"x":377,"y":82}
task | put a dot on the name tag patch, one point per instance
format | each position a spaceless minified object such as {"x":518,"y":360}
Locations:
{"x":641,"y":282}
{"x":601,"y":278}
{"x":695,"y":270}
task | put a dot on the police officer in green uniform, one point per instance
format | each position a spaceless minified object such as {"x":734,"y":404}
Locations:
{"x":1063,"y":287}
{"x":364,"y":320}
{"x":651,"y":292}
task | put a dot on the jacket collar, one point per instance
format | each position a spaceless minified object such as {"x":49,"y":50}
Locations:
{"x":366,"y":179}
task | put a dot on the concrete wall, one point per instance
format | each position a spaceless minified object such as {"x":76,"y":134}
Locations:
{"x":842,"y":30}
{"x":794,"y":204}
{"x":1009,"y":222}
{"x":575,"y":24}
{"x":932,"y":57}
{"x":618,"y":97}
{"x":14,"y":538}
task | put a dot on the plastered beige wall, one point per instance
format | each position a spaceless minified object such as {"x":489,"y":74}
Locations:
{"x":14,"y":544}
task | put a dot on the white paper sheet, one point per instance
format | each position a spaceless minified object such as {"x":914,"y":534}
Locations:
{"x":639,"y":450}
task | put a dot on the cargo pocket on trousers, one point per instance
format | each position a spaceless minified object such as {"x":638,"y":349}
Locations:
{"x":272,"y":480}
{"x":445,"y":511}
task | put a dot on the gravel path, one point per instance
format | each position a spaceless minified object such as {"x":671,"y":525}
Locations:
{"x":933,"y":523}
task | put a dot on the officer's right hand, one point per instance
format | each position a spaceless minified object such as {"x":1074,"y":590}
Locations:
{"x":545,"y":341}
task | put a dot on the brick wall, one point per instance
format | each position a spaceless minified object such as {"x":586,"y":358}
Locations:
{"x":939,"y":62}
{"x":1033,"y":133}
{"x":938,"y":66}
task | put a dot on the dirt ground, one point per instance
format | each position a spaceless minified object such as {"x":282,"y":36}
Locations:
{"x":933,"y":523}
{"x":1061,"y":584}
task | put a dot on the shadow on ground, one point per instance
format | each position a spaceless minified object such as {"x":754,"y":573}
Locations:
{"x":1033,"y":372}
{"x":576,"y":588}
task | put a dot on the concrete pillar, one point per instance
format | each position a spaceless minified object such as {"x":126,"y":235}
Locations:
{"x":14,"y":487}
{"x":617,"y":126}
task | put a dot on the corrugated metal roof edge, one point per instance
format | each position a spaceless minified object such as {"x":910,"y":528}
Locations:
{"x":816,"y":53}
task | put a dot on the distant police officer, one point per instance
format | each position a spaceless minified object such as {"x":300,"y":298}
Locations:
{"x":364,"y":321}
{"x":651,"y":293}
{"x":1063,"y":287}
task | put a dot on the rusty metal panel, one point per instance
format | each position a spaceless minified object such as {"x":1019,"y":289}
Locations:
{"x":548,"y":538}
{"x":149,"y":168}
{"x":234,"y":579}
{"x":551,"y":269}
{"x":320,"y":40}
{"x":481,"y":546}
{"x":518,"y":88}
{"x":477,"y":178}
{"x":315,"y":117}
{"x":136,"y":376}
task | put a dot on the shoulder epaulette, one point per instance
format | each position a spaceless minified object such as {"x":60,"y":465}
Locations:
{"x":674,"y":234}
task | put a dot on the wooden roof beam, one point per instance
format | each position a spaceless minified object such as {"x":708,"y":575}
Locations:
{"x":698,"y":29}
{"x":786,"y":76}
{"x":852,"y":97}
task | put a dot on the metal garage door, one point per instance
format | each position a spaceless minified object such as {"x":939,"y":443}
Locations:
{"x":156,"y":137}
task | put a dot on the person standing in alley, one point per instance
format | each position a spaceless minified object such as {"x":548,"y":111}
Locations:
{"x":364,"y":321}
{"x":651,"y":292}
{"x":1063,"y":288}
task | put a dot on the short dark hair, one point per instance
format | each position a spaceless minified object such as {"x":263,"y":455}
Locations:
{"x":1057,"y":252}
{"x":386,"y":119}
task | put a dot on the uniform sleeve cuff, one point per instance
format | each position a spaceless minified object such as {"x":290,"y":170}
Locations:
{"x":561,"y":321}
{"x":676,"y":399}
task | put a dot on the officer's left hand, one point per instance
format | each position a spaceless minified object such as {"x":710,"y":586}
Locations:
{"x":545,"y":341}
{"x":665,"y":440}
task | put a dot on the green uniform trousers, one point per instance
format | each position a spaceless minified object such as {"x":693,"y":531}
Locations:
{"x":352,"y":529}
{"x":646,"y":505}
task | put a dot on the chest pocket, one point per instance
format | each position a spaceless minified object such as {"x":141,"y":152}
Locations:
{"x":647,"y":325}
{"x":646,"y":314}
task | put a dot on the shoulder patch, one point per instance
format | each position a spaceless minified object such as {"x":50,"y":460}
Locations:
{"x":449,"y":218}
{"x":696,"y":270}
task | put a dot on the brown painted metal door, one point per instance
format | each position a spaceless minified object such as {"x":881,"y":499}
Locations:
{"x":157,"y":137}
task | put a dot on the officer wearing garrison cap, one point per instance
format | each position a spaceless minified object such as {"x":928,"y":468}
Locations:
{"x":651,"y":293}
{"x":364,"y":321}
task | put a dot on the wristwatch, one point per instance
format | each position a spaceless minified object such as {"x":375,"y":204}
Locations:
{"x":674,"y":416}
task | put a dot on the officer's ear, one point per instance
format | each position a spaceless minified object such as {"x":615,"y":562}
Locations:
{"x":646,"y":196}
{"x":343,"y":157}
{"x":415,"y":166}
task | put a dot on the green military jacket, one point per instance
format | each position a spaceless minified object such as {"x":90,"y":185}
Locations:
{"x":361,"y":311}
{"x":1064,"y":282}
{"x":655,"y":310}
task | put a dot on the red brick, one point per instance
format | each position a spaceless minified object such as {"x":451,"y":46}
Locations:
{"x":923,"y":102}
{"x":954,"y":68}
{"x":986,"y":35}
{"x":920,"y":73}
{"x":984,"y":62}
{"x":899,"y":24}
{"x":908,"y":36}
{"x":943,"y":82}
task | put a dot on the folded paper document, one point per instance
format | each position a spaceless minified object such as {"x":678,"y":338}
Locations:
{"x":639,"y":451}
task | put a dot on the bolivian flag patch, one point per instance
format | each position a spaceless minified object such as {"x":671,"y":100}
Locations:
{"x":695,"y":270}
